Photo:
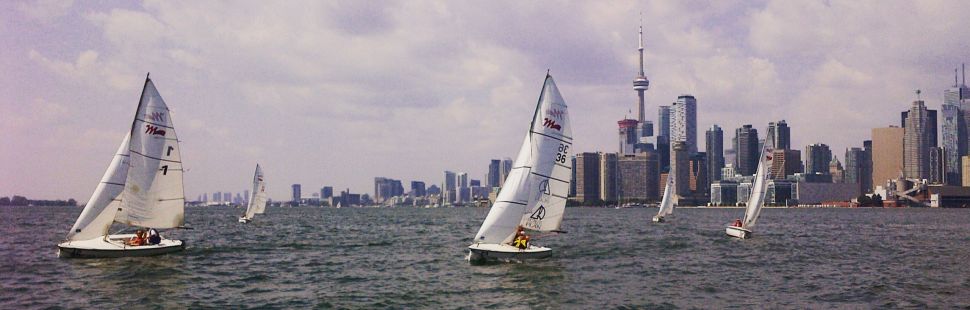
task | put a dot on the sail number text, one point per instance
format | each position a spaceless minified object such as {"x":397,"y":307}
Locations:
{"x":563,"y":153}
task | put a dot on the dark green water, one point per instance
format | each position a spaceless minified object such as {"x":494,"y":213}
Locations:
{"x":414,"y":258}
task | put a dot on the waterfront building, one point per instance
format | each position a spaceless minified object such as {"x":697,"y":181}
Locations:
{"x":587,"y":177}
{"x":609,"y":176}
{"x":887,"y":154}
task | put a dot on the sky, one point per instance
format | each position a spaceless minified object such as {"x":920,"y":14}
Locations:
{"x":336,"y":93}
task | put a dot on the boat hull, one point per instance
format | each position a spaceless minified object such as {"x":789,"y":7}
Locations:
{"x":245,"y":220}
{"x":482,"y":252}
{"x":114,"y":246}
{"x":738,"y":232}
{"x":658,"y":219}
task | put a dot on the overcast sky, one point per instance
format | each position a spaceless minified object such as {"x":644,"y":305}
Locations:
{"x":337,"y":93}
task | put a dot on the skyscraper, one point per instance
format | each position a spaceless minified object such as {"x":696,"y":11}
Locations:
{"x":746,"y":150}
{"x":640,"y":84}
{"x":887,"y":154}
{"x":449,"y":190}
{"x":836,"y":170}
{"x":715,"y":152}
{"x":937,"y":165}
{"x":628,"y":136}
{"x":917,"y":141}
{"x":504,"y":169}
{"x":785,"y":163}
{"x":418,"y":189}
{"x":608,"y":176}
{"x":326,"y":192}
{"x":663,"y":137}
{"x":780,"y":135}
{"x":296,"y":195}
{"x":683,"y":123}
{"x":587,"y":177}
{"x":866,"y":178}
{"x":493,"y":173}
{"x":954,"y":128}
{"x":817,"y":158}
{"x":854,"y":162}
{"x":464,"y":192}
{"x":680,"y":168}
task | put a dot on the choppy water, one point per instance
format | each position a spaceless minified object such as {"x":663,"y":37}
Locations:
{"x":414,"y":258}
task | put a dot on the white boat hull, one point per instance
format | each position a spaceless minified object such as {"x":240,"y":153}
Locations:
{"x":658,"y":219}
{"x":738,"y":232}
{"x":114,"y":246}
{"x":483,"y":252}
{"x":245,"y":220}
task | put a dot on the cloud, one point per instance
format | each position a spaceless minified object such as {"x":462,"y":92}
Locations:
{"x":45,"y":11}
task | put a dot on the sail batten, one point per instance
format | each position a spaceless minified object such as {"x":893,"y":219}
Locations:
{"x":534,"y":196}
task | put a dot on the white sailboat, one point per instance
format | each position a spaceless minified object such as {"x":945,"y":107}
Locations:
{"x":667,"y":203}
{"x":142,"y":187}
{"x":756,"y":200}
{"x":534,"y":194}
{"x":257,"y":200}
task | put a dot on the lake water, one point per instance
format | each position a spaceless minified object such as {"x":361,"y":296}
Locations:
{"x":415,"y":258}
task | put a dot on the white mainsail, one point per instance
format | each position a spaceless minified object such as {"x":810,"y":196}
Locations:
{"x":667,"y":203}
{"x":257,"y":200}
{"x":535,"y":191}
{"x":99,"y":212}
{"x":759,"y":187}
{"x":153,"y":195}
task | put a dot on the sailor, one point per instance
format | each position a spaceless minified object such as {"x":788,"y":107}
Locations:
{"x":521,"y":239}
{"x":737,"y":223}
{"x":154,"y":237}
{"x":138,"y":239}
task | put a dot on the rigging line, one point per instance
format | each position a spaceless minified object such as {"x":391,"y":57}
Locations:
{"x":552,"y":137}
{"x":156,"y":124}
{"x":549,"y":177}
{"x":155,"y":158}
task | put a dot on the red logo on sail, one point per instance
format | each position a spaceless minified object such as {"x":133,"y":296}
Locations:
{"x":551,"y":124}
{"x":152,"y":130}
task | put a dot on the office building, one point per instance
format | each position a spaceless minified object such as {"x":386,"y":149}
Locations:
{"x":609,"y":177}
{"x":746,"y":150}
{"x":919,"y":136}
{"x":817,"y":158}
{"x":887,"y":154}
{"x":587,"y":177}
{"x":715,"y":152}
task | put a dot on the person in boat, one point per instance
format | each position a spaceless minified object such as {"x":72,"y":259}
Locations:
{"x":138,"y":239}
{"x":521,"y":240}
{"x":154,"y":237}
{"x":737,"y":223}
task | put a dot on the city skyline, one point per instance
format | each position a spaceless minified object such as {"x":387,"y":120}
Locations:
{"x":342,"y":93}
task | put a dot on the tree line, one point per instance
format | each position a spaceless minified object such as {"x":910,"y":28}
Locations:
{"x":23,"y":201}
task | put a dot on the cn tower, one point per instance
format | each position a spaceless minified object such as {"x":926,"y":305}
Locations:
{"x":640,"y":83}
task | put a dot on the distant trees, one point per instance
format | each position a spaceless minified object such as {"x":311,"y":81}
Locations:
{"x":866,"y":201}
{"x":23,"y":201}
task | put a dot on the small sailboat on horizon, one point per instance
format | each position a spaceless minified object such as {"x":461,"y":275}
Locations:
{"x":257,"y":200}
{"x":534,"y":195}
{"x":742,"y":228}
{"x":142,"y":187}
{"x":667,"y":203}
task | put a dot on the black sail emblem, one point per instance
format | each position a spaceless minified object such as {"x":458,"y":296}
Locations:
{"x":539,"y":214}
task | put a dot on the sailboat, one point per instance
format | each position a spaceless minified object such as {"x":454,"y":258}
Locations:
{"x":756,"y":200}
{"x":667,"y":203}
{"x":535,"y":190}
{"x":142,"y":187}
{"x":257,"y":202}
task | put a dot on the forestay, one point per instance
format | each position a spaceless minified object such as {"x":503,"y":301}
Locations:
{"x":257,"y":201}
{"x":535,"y":191}
{"x":153,"y":195}
{"x":100,"y":210}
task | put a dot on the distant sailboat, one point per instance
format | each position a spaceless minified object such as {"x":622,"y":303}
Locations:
{"x":534,"y":194}
{"x":756,"y":200}
{"x":257,"y":202}
{"x":667,"y":203}
{"x":142,"y":187}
